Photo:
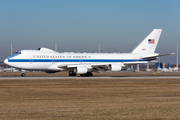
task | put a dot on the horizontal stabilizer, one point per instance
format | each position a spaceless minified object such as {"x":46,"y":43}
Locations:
{"x":166,"y":54}
{"x":155,"y":56}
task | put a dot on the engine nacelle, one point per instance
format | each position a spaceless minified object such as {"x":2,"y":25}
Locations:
{"x":115,"y":67}
{"x":80,"y":70}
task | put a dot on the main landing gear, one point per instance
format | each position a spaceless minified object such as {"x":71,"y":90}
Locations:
{"x":72,"y":73}
{"x":87,"y":74}
{"x":82,"y":75}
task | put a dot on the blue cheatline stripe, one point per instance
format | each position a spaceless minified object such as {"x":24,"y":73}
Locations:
{"x":74,"y":60}
{"x":13,"y":56}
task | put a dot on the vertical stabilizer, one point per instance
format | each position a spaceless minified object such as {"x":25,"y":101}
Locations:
{"x":148,"y":45}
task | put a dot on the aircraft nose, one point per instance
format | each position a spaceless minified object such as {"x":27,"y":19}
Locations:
{"x":6,"y":61}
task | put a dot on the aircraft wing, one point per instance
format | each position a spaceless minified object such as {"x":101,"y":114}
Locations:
{"x":99,"y":67}
{"x":134,"y":63}
{"x":96,"y":67}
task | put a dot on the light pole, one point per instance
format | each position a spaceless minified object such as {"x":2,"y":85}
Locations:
{"x":137,"y":64}
{"x":11,"y":47}
{"x":159,"y":63}
{"x":147,"y":66}
{"x":177,"y":57}
{"x":11,"y":52}
{"x":137,"y":67}
{"x":55,"y":43}
{"x":99,"y":47}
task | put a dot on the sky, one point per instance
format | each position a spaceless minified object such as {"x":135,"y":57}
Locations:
{"x":78,"y":25}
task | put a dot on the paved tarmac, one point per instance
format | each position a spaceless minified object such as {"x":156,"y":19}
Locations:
{"x":106,"y":77}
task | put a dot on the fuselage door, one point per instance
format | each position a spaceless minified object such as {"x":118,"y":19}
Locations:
{"x":30,"y":61}
{"x":81,"y":61}
{"x":53,"y":61}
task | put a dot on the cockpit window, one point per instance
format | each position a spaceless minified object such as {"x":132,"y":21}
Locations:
{"x":18,"y":52}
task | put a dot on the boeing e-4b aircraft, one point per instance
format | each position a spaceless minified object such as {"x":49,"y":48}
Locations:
{"x":47,"y":60}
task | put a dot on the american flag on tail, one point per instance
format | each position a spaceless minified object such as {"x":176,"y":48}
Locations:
{"x":151,"y":41}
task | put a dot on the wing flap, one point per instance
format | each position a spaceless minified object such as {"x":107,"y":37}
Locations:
{"x":96,"y":67}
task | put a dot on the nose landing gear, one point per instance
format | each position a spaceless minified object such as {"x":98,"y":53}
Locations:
{"x":72,"y":73}
{"x":23,"y":74}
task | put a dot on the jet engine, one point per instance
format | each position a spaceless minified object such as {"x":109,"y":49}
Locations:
{"x":115,"y":67}
{"x":80,"y":70}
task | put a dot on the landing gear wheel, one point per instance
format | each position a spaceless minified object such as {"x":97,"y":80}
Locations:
{"x":89,"y":74}
{"x":23,"y":74}
{"x":72,"y":74}
{"x":82,"y":75}
{"x":86,"y":75}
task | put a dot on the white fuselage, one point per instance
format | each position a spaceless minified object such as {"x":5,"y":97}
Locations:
{"x":47,"y":60}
